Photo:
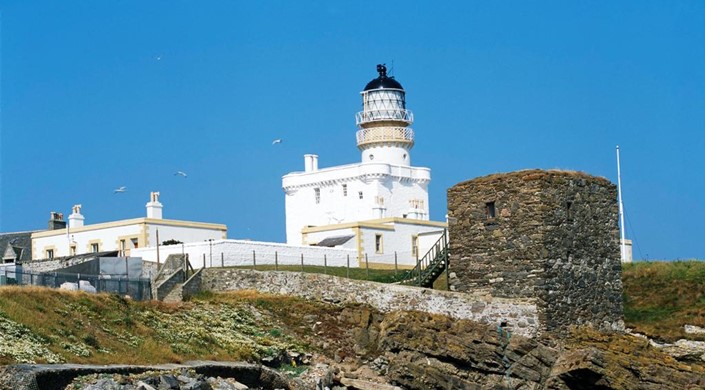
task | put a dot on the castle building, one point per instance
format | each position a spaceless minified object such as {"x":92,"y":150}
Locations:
{"x":552,"y":236}
{"x":382,"y":201}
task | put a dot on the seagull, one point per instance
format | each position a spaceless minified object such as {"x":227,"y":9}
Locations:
{"x":120,"y":190}
{"x":158,"y":58}
{"x":277,"y":141}
{"x":180,"y":173}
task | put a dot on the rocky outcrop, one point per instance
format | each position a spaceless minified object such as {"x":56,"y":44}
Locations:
{"x":423,"y":351}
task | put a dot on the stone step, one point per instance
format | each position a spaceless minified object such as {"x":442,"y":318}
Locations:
{"x":175,"y":295}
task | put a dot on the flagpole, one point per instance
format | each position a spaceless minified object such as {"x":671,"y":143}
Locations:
{"x":622,"y":240}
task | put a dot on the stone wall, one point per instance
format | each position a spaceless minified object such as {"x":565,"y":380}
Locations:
{"x":515,"y":315}
{"x":53,"y":264}
{"x":552,"y":235}
{"x":193,"y":285}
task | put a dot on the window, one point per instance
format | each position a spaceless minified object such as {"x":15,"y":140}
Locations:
{"x":134,"y":242}
{"x":360,"y":194}
{"x":95,"y":248}
{"x":122,"y":247}
{"x":415,"y":247}
{"x":73,"y":250}
{"x":50,"y":254}
{"x":378,"y":244}
{"x":490,"y":210}
{"x":345,"y":190}
{"x":317,"y":195}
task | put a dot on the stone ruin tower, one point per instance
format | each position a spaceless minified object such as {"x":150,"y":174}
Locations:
{"x":548,"y":235}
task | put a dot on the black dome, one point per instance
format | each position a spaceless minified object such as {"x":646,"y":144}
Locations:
{"x":383,"y":81}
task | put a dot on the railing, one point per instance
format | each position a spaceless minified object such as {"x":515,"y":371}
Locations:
{"x":430,"y":266}
{"x":137,"y":288}
{"x":384,"y":115}
{"x":382,"y":134}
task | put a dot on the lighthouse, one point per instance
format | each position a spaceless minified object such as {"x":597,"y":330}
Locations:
{"x":383,"y":124}
{"x":381,"y":190}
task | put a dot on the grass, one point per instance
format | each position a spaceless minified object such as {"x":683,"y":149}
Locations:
{"x":661,"y":297}
{"x":45,"y":325}
{"x":76,"y":327}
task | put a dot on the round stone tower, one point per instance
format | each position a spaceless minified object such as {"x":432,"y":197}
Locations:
{"x":383,"y":124}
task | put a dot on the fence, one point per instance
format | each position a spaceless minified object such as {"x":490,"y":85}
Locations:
{"x":367,"y":267}
{"x":139,"y":289}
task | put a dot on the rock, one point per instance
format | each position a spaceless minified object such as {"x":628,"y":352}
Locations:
{"x":692,"y":329}
{"x":686,"y":350}
{"x":104,"y":384}
{"x":350,"y":375}
{"x":144,"y":386}
{"x":167,"y":382}
{"x":238,"y":386}
{"x":366,"y":385}
{"x":197,"y":385}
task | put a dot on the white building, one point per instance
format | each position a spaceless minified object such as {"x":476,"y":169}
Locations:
{"x":123,"y":236}
{"x":380,"y":203}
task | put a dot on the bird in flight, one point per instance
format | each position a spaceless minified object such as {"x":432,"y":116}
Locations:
{"x":180,"y":173}
{"x":277,"y":141}
{"x":120,"y":190}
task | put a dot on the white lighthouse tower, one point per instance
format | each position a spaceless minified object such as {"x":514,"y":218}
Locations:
{"x":384,"y":134}
{"x":380,"y":191}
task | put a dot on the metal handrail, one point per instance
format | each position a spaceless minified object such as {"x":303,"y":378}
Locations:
{"x":435,"y":259}
{"x":384,"y":115}
{"x":381,"y":134}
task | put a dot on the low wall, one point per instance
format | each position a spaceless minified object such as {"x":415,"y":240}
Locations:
{"x":520,"y":315}
{"x":193,"y":285}
{"x":168,"y":284}
{"x":53,"y":264}
{"x":58,"y":376}
{"x":240,"y":252}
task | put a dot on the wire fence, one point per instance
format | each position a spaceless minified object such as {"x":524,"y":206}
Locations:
{"x":140,"y":289}
{"x":387,"y":268}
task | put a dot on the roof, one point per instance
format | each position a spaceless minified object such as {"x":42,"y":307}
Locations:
{"x":383,"y":82}
{"x":334,"y":241}
{"x":533,"y":174}
{"x":20,"y":242}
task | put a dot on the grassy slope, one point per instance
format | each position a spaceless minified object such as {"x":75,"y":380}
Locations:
{"x":62,"y":326}
{"x":44,"y":325}
{"x":661,"y":297}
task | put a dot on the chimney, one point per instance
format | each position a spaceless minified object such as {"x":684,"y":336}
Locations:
{"x":76,"y":219}
{"x":56,"y":221}
{"x":154,"y":208}
{"x":310,"y":163}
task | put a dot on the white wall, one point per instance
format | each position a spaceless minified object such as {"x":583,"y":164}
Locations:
{"x":107,"y":239}
{"x":397,"y":236}
{"x":108,"y":236}
{"x":240,"y":252}
{"x":396,"y":184}
{"x":399,"y":240}
{"x":181,"y":233}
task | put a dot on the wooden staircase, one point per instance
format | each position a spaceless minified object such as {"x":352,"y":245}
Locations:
{"x":430,"y":266}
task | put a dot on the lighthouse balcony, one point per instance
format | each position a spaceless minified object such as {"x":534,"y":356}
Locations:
{"x":381,"y":115}
{"x":385,"y":134}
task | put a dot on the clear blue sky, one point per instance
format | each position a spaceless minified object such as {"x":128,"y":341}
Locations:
{"x":97,"y":95}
